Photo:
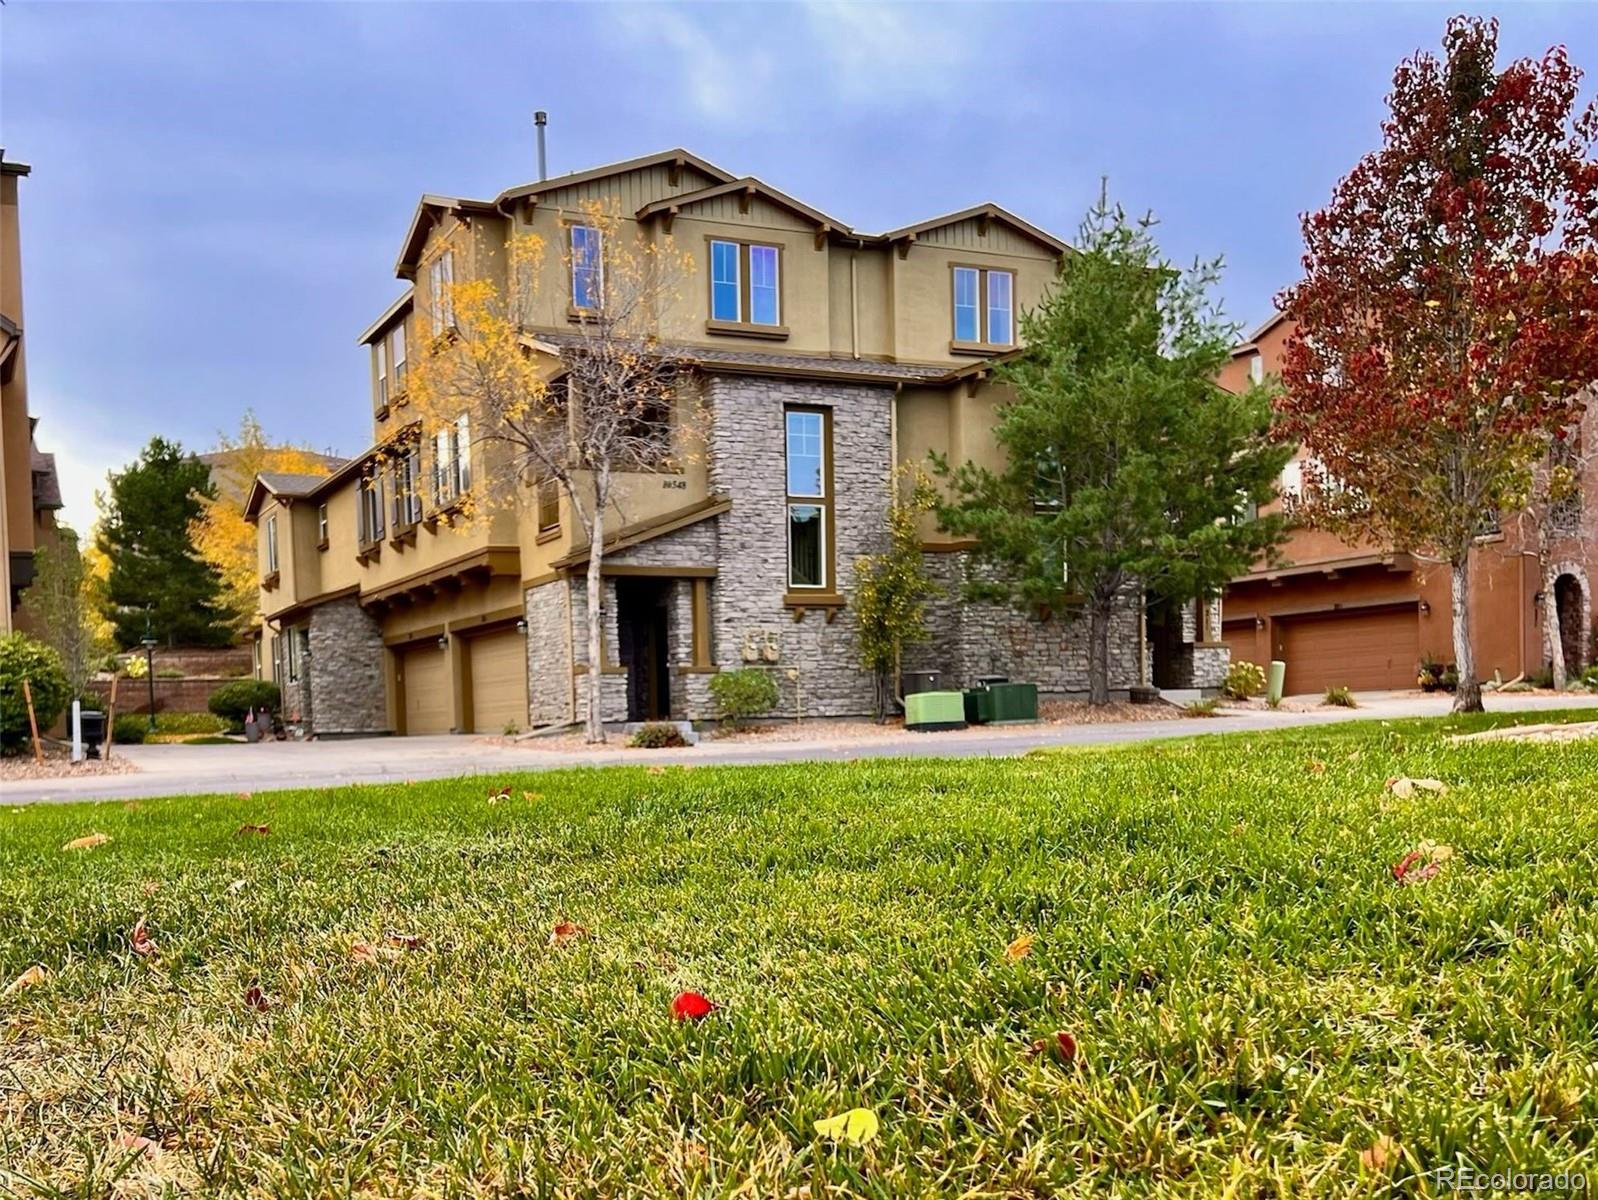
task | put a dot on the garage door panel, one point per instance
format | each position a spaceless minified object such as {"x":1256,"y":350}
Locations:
{"x":499,"y":681}
{"x":424,"y":675}
{"x":1366,"y":651}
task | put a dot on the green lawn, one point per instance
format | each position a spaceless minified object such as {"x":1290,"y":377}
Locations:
{"x":1255,"y":998}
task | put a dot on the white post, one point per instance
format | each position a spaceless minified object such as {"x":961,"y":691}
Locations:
{"x":77,"y":731}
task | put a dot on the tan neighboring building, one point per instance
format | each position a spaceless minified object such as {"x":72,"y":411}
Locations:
{"x":824,"y":356}
{"x":1363,"y":616}
{"x":30,"y":494}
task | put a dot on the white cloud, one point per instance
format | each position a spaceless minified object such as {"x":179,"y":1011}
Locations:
{"x":892,"y":53}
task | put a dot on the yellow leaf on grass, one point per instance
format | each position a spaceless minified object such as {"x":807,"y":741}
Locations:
{"x":1380,"y":1154}
{"x":1020,"y":948}
{"x":858,"y":1125}
{"x":33,"y":976}
{"x":87,"y":842}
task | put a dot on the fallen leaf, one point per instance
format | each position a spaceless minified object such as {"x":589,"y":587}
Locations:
{"x":1432,"y":785}
{"x":242,"y":795}
{"x":133,"y":1141}
{"x":87,"y":842}
{"x":691,"y":1006}
{"x":236,"y":886}
{"x":32,"y":977}
{"x":369,"y":955}
{"x":1404,"y":787}
{"x":532,"y":795}
{"x":693,"y":1154}
{"x":1380,"y":1154}
{"x":1422,"y":863}
{"x":657,"y":770}
{"x":255,"y":998}
{"x":1060,"y":1044}
{"x":858,"y":1125}
{"x":404,"y":941}
{"x":566,"y":931}
{"x":1020,"y":948}
{"x":131,"y":805}
{"x":495,"y":795}
{"x":143,"y":943}
{"x":150,"y":887}
{"x":263,"y":830}
{"x":1316,"y":766}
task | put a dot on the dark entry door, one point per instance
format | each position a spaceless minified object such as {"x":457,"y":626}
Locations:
{"x":641,"y":607}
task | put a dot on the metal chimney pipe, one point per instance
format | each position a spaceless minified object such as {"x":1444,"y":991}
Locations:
{"x":540,"y":119}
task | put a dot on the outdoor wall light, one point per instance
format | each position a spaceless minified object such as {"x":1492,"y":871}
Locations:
{"x":521,"y":624}
{"x":1425,"y":609}
{"x":443,"y":641}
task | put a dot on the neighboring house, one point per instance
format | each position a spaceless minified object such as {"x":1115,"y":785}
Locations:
{"x":30,"y":493}
{"x":824,"y":357}
{"x":1362,"y":615}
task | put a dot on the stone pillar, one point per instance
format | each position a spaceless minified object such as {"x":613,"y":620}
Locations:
{"x":346,"y":690}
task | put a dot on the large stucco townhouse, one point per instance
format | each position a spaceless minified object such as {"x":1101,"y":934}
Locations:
{"x":823,"y":357}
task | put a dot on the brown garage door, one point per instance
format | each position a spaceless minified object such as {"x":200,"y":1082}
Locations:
{"x":424,"y":675}
{"x":1366,"y":651}
{"x":1244,"y":641}
{"x":499,"y":681}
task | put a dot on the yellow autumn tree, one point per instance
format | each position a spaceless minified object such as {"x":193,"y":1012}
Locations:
{"x":573,"y":411}
{"x":221,"y":535}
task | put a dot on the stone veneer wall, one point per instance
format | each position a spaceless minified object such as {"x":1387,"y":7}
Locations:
{"x":549,"y":664}
{"x":818,"y":669}
{"x":970,"y":639}
{"x":348,"y":694}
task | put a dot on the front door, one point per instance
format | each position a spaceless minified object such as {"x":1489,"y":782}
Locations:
{"x":641,"y":608}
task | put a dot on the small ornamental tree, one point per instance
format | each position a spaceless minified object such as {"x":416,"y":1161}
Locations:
{"x":57,"y":605}
{"x":1447,"y":320}
{"x":892,"y":588}
{"x":1125,"y":465}
{"x":604,"y":399}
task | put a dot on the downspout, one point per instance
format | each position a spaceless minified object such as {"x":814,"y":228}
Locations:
{"x":854,"y":303}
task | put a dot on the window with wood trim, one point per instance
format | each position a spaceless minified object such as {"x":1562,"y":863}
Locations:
{"x":407,"y":487}
{"x":321,"y":526}
{"x":809,"y":499}
{"x":983,"y":306}
{"x":369,"y":509}
{"x":271,"y":544}
{"x":440,"y":282}
{"x":548,"y":505}
{"x":745,"y":283}
{"x":380,"y":365}
{"x":452,"y":460}
{"x":396,"y":358}
{"x":587,"y":267}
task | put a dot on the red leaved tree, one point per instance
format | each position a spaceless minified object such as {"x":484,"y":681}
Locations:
{"x":1448,"y":316}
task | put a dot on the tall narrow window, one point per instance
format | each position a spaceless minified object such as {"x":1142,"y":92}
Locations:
{"x":548,"y":505}
{"x":763,"y":291}
{"x":271,"y":544}
{"x":369,"y":510}
{"x":809,"y":503}
{"x":984,"y":307}
{"x":725,"y":289}
{"x":441,"y":279}
{"x":398,"y":358}
{"x":1000,"y":304}
{"x":321,"y":525}
{"x":967,"y":320}
{"x":463,"y":453}
{"x":588,"y":267}
{"x":380,"y":353}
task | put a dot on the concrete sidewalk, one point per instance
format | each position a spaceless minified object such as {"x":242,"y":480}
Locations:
{"x":197,"y":770}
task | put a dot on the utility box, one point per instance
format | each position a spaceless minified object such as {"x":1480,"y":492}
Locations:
{"x":927,"y":712}
{"x":1014,"y":703}
{"x":978,"y":705}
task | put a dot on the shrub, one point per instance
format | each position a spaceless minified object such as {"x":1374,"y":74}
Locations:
{"x":169,"y":673}
{"x":1341,"y":697}
{"x":23,"y":658}
{"x":743,"y":693}
{"x":131,"y":729}
{"x":1243,"y":679}
{"x":657,"y":735}
{"x":233,"y":701}
{"x":1589,"y":677}
{"x":1202,"y":708}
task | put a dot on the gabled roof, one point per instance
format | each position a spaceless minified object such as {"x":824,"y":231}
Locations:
{"x":387,"y":316}
{"x":279,"y":485}
{"x":674,"y":157}
{"x":428,"y":210}
{"x":1251,"y":343}
{"x":988,"y":211}
{"x":744,"y":188}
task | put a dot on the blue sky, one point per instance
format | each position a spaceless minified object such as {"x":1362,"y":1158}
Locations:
{"x":219,"y":190}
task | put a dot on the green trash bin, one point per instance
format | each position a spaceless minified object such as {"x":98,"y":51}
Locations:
{"x":978,"y":706}
{"x":926,"y":712}
{"x":1014,"y":703}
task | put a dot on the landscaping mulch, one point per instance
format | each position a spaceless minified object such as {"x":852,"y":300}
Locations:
{"x":58,"y":764}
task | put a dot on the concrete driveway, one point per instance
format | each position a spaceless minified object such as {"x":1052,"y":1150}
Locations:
{"x":197,"y":770}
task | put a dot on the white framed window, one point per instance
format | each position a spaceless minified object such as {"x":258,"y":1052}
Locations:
{"x":407,"y":500}
{"x":1293,"y":478}
{"x":726,"y":286}
{"x":321,"y":524}
{"x":380,"y":353}
{"x":452,"y":460}
{"x":441,"y":278}
{"x":745,"y":283}
{"x":271,"y":544}
{"x":588,"y":267}
{"x":397,"y":358}
{"x":983,"y":303}
{"x":1001,"y":306}
{"x":1256,"y":368}
{"x":808,"y":501}
{"x":292,"y":637}
{"x":369,"y":509}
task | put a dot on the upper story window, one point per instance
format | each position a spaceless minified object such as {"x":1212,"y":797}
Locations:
{"x":396,"y":357}
{"x":984,"y":307}
{"x":380,"y":356}
{"x":321,"y":526}
{"x":548,"y":505}
{"x":1256,"y":368}
{"x":452,"y":460}
{"x":440,"y":281}
{"x":809,"y":497}
{"x":407,"y":499}
{"x":271,"y":544}
{"x":369,"y":510}
{"x":745,"y":283}
{"x":588,"y":267}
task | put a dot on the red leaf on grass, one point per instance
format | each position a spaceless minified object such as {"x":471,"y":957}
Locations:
{"x":1060,"y":1044}
{"x":255,"y":998}
{"x":566,"y":931}
{"x":1402,"y":866}
{"x":263,"y":830}
{"x":691,"y":1006}
{"x":404,"y":941}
